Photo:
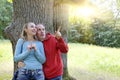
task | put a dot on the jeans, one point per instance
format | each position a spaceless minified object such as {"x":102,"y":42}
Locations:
{"x":55,"y":78}
{"x":24,"y":74}
{"x":15,"y":75}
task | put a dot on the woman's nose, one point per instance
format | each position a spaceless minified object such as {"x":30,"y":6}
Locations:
{"x":35,"y":29}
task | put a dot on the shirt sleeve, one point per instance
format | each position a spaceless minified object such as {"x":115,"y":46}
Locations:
{"x":39,"y":54}
{"x":62,"y":45}
{"x":19,"y":55}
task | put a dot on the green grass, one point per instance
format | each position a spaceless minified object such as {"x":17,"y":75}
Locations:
{"x":85,"y":59}
{"x":5,"y":50}
{"x":85,"y":62}
{"x":6,"y":60}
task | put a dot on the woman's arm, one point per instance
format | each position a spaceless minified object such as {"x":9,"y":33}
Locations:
{"x":19,"y":55}
{"x":39,"y":54}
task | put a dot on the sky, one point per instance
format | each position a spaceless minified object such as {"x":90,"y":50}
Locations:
{"x":108,"y":4}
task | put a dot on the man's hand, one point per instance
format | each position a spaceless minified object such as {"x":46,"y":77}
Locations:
{"x":58,"y":34}
{"x":21,"y":64}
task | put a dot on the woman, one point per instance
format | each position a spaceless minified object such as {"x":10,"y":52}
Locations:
{"x":31,"y":52}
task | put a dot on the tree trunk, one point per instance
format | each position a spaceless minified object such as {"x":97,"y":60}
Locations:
{"x":60,"y":19}
{"x":37,"y":11}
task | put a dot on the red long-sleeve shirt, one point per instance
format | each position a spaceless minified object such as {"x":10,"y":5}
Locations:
{"x":53,"y":66}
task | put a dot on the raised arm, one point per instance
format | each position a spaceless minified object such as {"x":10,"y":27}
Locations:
{"x":62,"y":45}
{"x":60,"y":42}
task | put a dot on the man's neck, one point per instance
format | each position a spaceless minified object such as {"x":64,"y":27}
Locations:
{"x":40,"y":39}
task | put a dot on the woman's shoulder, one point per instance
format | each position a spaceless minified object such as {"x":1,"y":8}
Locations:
{"x":20,"y":40}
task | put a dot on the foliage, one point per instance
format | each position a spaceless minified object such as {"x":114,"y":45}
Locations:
{"x":10,"y":1}
{"x":73,"y":35}
{"x":106,"y":35}
{"x":118,"y":3}
{"x":80,"y":33}
{"x":98,"y":33}
{"x":5,"y":15}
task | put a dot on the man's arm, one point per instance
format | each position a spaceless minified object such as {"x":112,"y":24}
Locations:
{"x":62,"y":45}
{"x":60,"y":42}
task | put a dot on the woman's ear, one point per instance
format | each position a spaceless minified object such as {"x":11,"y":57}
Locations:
{"x":25,"y":30}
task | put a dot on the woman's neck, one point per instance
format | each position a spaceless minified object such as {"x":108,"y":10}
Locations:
{"x":30,"y":38}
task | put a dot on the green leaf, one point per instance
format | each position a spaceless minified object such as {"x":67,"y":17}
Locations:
{"x":10,"y":1}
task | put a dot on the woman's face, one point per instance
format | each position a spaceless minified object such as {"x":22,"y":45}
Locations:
{"x":31,"y":30}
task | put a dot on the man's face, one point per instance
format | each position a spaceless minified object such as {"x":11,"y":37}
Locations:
{"x":40,"y":32}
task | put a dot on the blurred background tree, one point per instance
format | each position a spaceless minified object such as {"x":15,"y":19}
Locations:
{"x":5,"y":15}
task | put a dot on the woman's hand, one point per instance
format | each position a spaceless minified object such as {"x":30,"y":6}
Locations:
{"x":29,"y":47}
{"x":34,"y":46}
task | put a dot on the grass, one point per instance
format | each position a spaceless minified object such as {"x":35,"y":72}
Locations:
{"x":6,"y":60}
{"x":5,"y":50}
{"x":84,"y":59}
{"x":85,"y":62}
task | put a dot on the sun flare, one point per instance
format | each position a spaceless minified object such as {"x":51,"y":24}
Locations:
{"x":82,"y":11}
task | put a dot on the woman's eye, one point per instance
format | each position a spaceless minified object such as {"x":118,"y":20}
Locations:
{"x":31,"y":26}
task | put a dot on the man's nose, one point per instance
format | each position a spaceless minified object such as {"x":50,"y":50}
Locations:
{"x":41,"y":30}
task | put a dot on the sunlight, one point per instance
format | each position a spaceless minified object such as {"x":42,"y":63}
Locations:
{"x":82,"y":11}
{"x":86,"y":12}
{"x":10,"y":1}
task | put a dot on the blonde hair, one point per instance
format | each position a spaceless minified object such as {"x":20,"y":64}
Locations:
{"x":24,"y":34}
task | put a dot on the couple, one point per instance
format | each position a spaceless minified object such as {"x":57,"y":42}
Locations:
{"x":39,"y":60}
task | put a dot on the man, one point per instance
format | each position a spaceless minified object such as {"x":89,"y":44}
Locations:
{"x":54,"y":45}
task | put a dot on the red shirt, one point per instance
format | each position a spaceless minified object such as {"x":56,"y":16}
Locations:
{"x":53,"y":66}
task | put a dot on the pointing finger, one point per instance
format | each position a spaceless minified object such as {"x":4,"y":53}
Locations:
{"x":59,"y":28}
